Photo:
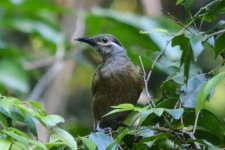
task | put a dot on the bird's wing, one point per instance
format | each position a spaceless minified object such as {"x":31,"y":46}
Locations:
{"x":141,"y":80}
{"x":95,"y":81}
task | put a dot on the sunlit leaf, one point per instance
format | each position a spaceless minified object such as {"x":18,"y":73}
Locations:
{"x":120,"y":108}
{"x":5,"y":144}
{"x":207,"y":89}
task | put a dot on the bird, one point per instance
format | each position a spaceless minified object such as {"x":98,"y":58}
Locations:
{"x":116,"y":81}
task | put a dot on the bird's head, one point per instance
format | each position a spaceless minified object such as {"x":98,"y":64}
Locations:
{"x":105,"y":44}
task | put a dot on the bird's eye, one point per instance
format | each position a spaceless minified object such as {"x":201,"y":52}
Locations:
{"x":104,"y":40}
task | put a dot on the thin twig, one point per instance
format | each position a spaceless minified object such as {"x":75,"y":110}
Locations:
{"x":146,"y":84}
{"x":193,"y":22}
{"x":196,"y":123}
{"x":157,"y":59}
{"x":190,"y":134}
{"x":176,"y":20}
{"x":217,"y":32}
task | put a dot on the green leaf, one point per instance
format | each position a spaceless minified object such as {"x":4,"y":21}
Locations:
{"x":5,"y":144}
{"x":207,"y":89}
{"x":118,"y":139}
{"x":21,"y":139}
{"x":8,"y":103}
{"x":124,"y":106}
{"x":53,"y":120}
{"x":89,"y":143}
{"x":219,"y":44}
{"x":3,"y":120}
{"x":120,"y":108}
{"x":31,"y":124}
{"x":101,"y":140}
{"x":175,"y":113}
{"x":179,"y":2}
{"x":187,"y":53}
{"x":145,"y":114}
{"x":65,"y":137}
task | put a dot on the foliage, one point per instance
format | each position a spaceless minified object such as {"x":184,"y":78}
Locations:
{"x":16,"y":114}
{"x":175,"y":119}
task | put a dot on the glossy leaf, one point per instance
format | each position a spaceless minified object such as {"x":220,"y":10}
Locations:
{"x":207,"y":89}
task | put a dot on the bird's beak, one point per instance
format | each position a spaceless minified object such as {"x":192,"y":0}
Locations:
{"x":90,"y":41}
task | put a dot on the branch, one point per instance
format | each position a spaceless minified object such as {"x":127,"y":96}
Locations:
{"x":150,"y":101}
{"x":196,"y":123}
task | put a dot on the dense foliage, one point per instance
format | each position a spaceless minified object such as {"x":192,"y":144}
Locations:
{"x":174,"y":117}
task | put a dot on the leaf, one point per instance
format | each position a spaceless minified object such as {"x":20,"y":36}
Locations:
{"x":196,"y":44}
{"x":89,"y":143}
{"x":191,"y":90}
{"x":7,"y":104}
{"x":21,"y":139}
{"x":31,"y":124}
{"x":120,"y":108}
{"x":118,"y":139}
{"x":145,"y":132}
{"x":219,"y":44}
{"x":175,"y":113}
{"x":53,"y":120}
{"x":206,"y":90}
{"x":5,"y":144}
{"x":179,"y":2}
{"x":101,"y":140}
{"x":145,"y":114}
{"x":65,"y":137}
{"x":187,"y":53}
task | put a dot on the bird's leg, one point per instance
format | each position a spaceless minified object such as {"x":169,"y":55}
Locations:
{"x":98,"y":128}
{"x":107,"y":130}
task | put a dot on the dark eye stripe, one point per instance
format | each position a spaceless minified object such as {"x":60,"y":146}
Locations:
{"x":117,"y":42}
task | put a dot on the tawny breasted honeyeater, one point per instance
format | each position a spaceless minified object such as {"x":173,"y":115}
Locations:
{"x":116,"y":80}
